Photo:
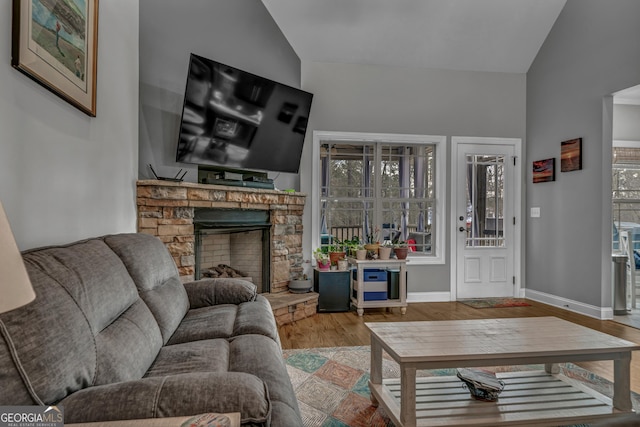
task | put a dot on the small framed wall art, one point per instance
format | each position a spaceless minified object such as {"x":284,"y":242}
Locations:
{"x":571,"y":155}
{"x":55,"y":43}
{"x":544,"y":170}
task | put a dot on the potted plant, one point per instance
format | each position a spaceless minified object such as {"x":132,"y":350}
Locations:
{"x":357,"y":249}
{"x":401,"y":249}
{"x":343,"y":264}
{"x":384,"y":251}
{"x":322,"y":259}
{"x":336,"y":251}
{"x":373,"y":240}
{"x":352,"y":246}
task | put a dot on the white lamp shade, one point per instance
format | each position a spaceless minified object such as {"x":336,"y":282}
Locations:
{"x":15,"y":286}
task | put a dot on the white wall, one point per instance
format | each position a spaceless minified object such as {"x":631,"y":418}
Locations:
{"x":379,"y":99}
{"x":64,"y":175}
{"x":590,"y":53}
{"x":626,"y":122}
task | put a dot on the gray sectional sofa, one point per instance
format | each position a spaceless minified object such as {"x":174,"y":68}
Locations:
{"x":113,"y":334}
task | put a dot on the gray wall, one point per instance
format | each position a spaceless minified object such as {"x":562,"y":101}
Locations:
{"x":591,"y":52}
{"x":626,"y":122}
{"x":367,"y":98}
{"x":240,"y":33}
{"x":64,"y":175}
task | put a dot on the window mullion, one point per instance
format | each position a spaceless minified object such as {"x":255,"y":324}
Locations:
{"x":378,"y":186}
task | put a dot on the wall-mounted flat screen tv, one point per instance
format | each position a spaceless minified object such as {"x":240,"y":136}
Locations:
{"x":235,"y":119}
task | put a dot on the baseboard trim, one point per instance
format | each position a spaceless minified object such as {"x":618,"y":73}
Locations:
{"x":428,"y":296}
{"x":601,"y":313}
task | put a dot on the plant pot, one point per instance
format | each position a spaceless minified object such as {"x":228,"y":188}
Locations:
{"x":323,"y":265}
{"x":300,"y":286}
{"x":372,"y":246}
{"x":384,"y":252}
{"x":401,"y":253}
{"x":343,"y":265}
{"x":334,"y":257}
{"x":361,"y":254}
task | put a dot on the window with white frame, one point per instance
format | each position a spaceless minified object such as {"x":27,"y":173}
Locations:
{"x":626,"y":191}
{"x":382,"y":190}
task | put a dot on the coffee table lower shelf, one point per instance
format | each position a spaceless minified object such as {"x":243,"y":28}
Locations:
{"x":530,"y":398}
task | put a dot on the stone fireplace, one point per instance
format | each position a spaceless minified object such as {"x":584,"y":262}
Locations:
{"x":168,"y":209}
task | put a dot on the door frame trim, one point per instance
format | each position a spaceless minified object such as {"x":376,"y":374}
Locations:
{"x":518,"y":209}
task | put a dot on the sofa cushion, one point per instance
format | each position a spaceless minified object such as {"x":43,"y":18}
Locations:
{"x":198,"y":356}
{"x":156,"y":277}
{"x":52,"y":365}
{"x":256,"y":318}
{"x":127,"y":347}
{"x":14,"y":390}
{"x":252,"y":354}
{"x":227,"y":320}
{"x":261,"y":356}
{"x":92,"y":275}
{"x":68,"y":338}
{"x":172,"y":396}
{"x":206,"y":292}
{"x":206,"y":323}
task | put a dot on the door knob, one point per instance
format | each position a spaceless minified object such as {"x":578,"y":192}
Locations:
{"x":461,"y":229}
{"x":461,"y":218}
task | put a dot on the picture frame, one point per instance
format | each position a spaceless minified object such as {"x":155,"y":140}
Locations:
{"x":544,"y":170}
{"x":571,"y":155}
{"x":56,"y":45}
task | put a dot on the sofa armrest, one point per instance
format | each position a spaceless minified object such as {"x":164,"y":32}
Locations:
{"x":207,"y":292}
{"x":172,"y":396}
{"x":234,"y":419}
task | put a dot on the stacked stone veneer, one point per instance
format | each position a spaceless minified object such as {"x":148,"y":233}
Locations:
{"x":165,"y":209}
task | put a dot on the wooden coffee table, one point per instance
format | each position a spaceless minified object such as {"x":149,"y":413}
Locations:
{"x":536,"y":398}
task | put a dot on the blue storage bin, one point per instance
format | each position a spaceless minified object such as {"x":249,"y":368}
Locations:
{"x":375,"y":296}
{"x":374,"y":275}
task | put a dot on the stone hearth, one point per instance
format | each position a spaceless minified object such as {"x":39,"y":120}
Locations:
{"x":166,"y":210}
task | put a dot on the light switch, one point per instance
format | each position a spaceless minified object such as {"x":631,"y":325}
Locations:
{"x":535,"y":212}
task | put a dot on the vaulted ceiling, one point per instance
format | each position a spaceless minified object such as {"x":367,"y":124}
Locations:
{"x":476,"y":35}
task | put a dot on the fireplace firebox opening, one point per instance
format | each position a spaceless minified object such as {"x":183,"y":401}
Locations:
{"x":233,"y":243}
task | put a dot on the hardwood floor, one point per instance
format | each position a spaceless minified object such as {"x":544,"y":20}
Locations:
{"x":347,"y":329}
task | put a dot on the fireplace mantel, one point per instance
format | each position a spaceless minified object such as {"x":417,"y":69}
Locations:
{"x":166,"y":210}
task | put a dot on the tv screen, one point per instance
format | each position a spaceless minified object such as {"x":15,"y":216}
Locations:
{"x":235,"y":119}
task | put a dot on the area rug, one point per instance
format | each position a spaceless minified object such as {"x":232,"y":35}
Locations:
{"x":494,"y":302}
{"x":331,"y":384}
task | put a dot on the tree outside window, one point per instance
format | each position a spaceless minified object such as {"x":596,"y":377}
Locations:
{"x":378,"y":186}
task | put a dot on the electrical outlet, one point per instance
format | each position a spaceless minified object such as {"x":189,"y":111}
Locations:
{"x":535,"y":212}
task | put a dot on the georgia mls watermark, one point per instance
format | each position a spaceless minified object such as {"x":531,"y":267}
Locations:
{"x":31,"y":416}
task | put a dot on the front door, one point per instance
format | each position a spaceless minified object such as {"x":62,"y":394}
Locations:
{"x":485,"y":218}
